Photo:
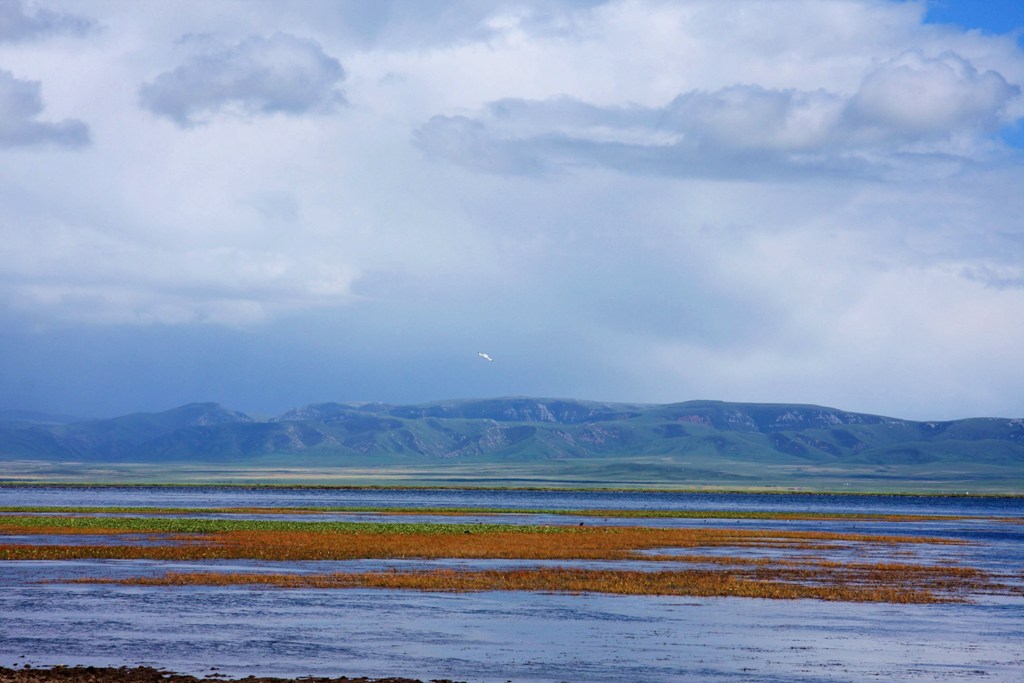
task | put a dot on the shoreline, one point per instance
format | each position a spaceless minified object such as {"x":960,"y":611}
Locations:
{"x":773,"y":491}
{"x":147,"y":674}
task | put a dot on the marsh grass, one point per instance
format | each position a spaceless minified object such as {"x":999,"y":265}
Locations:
{"x":284,"y":541}
{"x":485,"y":511}
{"x":108,"y":525}
{"x":775,"y":576}
{"x":849,"y":584}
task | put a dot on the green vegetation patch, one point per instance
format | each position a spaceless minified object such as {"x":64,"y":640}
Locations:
{"x":210,"y":526}
{"x":617,"y":514}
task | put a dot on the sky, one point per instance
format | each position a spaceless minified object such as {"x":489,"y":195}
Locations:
{"x":270,"y":204}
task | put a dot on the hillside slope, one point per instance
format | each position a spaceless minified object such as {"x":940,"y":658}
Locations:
{"x":701,"y":433}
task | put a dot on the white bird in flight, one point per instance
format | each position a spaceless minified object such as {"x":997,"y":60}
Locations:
{"x":485,"y":356}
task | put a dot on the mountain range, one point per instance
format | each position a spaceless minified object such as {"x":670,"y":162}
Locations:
{"x":692,"y":440}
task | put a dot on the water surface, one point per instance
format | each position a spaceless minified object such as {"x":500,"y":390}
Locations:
{"x":520,"y":637}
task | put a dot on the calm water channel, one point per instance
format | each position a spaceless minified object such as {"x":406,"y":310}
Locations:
{"x":519,"y":637}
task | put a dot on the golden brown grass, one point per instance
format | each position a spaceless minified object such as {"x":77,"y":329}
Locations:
{"x":802,"y":575}
{"x":562,"y":543}
{"x":902,"y":584}
{"x":379,"y":511}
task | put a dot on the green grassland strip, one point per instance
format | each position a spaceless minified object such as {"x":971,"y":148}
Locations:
{"x":616,"y":514}
{"x":201,"y":526}
{"x":177,"y":525}
{"x":705,"y":490}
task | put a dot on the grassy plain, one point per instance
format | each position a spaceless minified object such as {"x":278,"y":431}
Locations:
{"x":623,"y":473}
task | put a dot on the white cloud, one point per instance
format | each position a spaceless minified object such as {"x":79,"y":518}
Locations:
{"x":831,"y":322}
{"x":910,"y":105}
{"x":83,"y":274}
{"x":19,"y":23}
{"x":751,"y":117}
{"x":913,"y":96}
{"x":257,"y":76}
{"x":631,"y":200}
{"x":21,"y":103}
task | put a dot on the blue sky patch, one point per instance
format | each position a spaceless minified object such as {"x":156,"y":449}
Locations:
{"x":991,"y":16}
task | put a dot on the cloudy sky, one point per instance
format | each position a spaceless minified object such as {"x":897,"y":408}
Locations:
{"x":270,"y":204}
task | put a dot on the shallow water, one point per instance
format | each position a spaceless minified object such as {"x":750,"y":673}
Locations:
{"x":509,"y":636}
{"x":212,"y":496}
{"x":519,"y":637}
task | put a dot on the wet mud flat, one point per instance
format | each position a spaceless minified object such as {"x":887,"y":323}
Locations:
{"x":147,"y":674}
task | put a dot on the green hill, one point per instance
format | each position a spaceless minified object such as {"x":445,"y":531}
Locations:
{"x":696,"y":442}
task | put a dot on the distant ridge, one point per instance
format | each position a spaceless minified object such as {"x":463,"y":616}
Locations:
{"x":713,"y":434}
{"x":34,"y":417}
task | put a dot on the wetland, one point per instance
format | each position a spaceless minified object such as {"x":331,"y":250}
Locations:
{"x":504,"y":585}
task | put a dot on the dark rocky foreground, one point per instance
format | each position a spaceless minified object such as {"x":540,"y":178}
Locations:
{"x":145,"y":674}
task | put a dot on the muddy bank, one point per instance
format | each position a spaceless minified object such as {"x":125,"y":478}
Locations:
{"x":145,"y":674}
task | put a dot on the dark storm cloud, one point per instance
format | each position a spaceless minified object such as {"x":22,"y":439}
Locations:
{"x":17,"y":23}
{"x":257,"y":76}
{"x":20,"y":105}
{"x":912,"y":107}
